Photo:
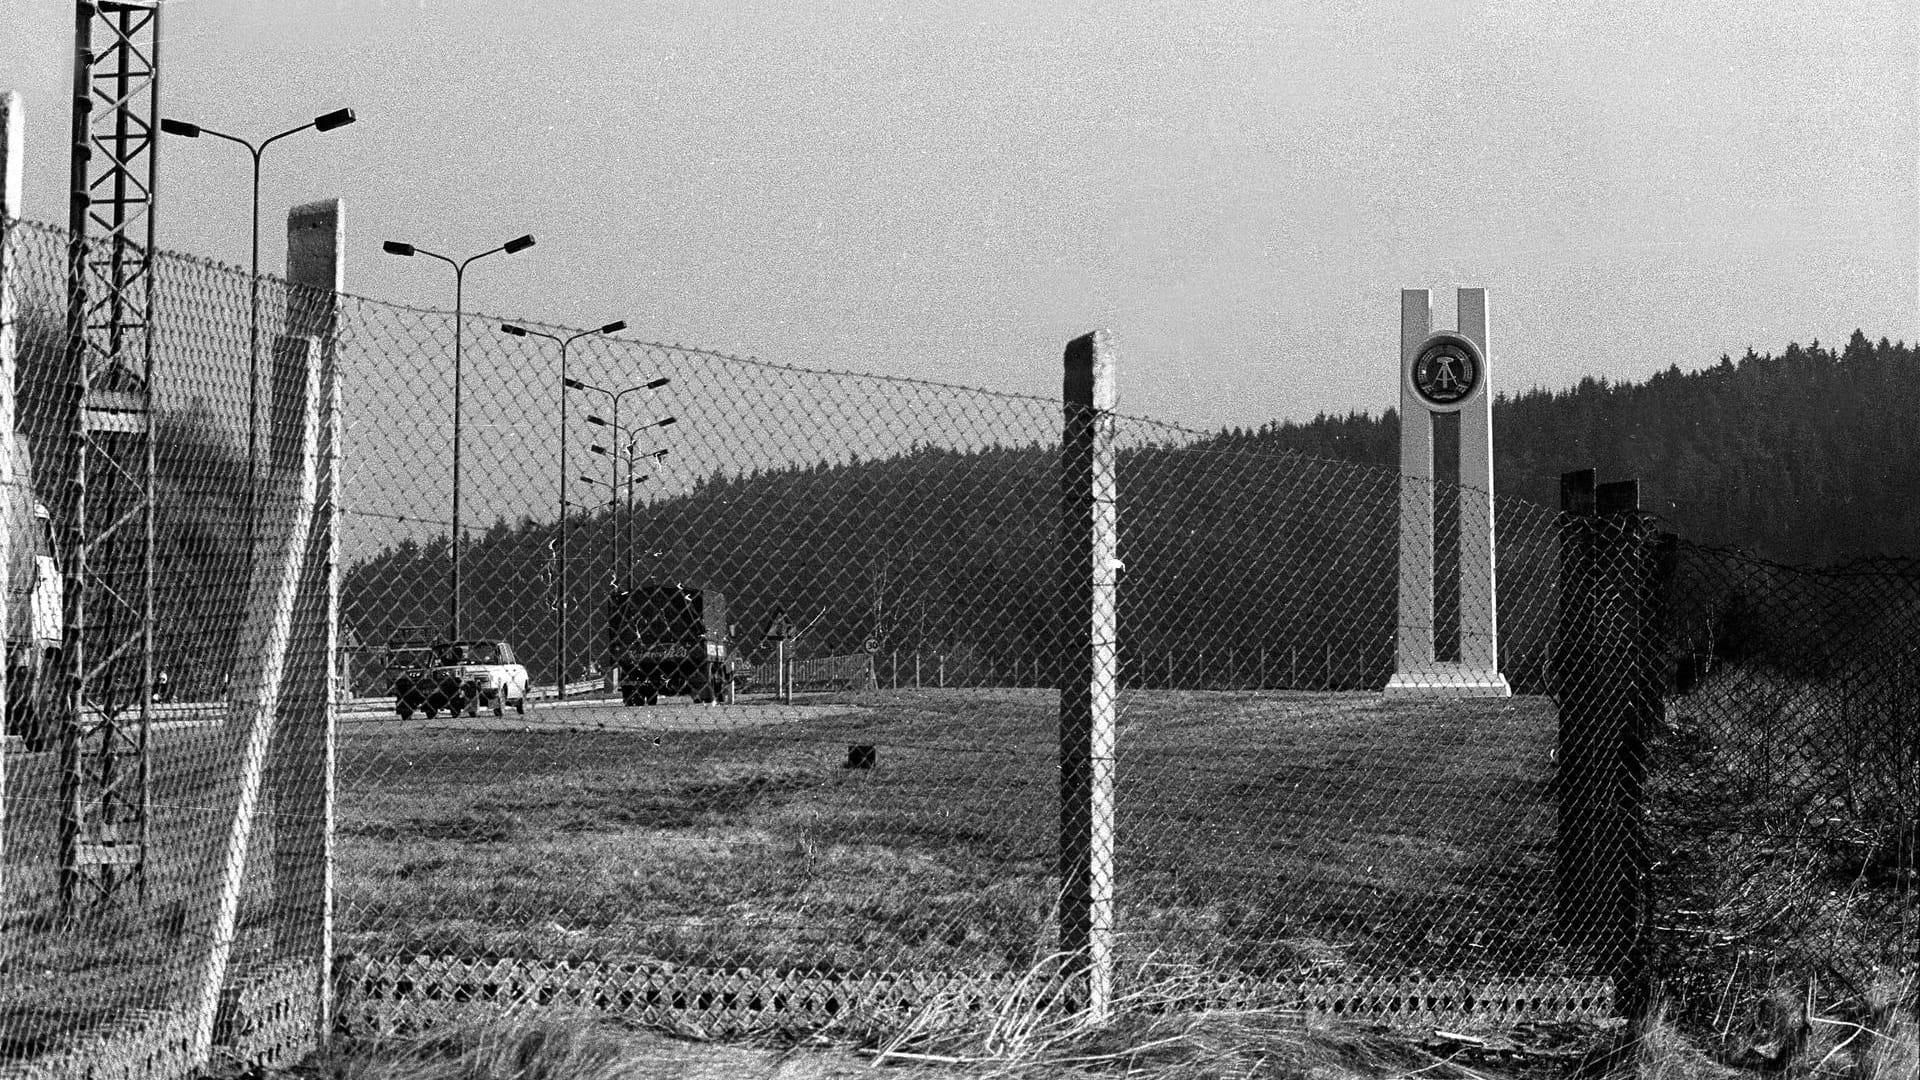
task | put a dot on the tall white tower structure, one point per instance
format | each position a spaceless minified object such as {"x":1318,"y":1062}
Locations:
{"x":1446,"y":371}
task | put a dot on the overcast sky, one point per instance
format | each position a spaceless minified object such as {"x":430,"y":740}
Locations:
{"x":951,"y":190}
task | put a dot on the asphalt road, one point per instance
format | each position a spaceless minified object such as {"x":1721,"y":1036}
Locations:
{"x":543,"y":713}
{"x":603,"y":714}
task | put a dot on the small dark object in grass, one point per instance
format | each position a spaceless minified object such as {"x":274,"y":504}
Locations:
{"x":861,"y":757}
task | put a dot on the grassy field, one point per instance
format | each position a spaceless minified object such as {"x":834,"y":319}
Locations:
{"x":1276,"y":832}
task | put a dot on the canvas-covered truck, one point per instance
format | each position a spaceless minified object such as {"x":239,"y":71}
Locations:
{"x":670,"y":639}
{"x":35,"y":592}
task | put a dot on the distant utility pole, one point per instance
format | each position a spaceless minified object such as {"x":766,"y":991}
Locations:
{"x":880,"y":572}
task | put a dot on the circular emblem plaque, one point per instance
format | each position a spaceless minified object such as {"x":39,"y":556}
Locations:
{"x":1446,"y":371}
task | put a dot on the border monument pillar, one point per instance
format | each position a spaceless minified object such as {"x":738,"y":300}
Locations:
{"x":1446,"y":371}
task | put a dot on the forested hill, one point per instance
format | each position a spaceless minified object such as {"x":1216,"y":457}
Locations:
{"x":1808,"y":456}
{"x":1812,"y":455}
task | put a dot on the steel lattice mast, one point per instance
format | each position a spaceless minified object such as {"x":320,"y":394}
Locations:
{"x":107,"y":509}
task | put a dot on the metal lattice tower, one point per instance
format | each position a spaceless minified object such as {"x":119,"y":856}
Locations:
{"x":107,"y":510}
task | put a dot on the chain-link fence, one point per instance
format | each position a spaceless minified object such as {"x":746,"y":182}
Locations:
{"x":1785,"y":785}
{"x":167,"y":609}
{"x":803,"y":710}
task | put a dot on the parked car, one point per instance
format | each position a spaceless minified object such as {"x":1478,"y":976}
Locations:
{"x":464,"y":677}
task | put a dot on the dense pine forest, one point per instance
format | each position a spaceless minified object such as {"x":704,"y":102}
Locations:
{"x":1240,"y":547}
{"x":1805,"y":457}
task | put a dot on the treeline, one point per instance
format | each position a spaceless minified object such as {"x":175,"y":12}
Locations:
{"x":1802,"y":457}
{"x":1277,"y":539}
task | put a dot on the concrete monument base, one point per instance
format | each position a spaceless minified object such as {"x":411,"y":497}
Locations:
{"x":1443,"y":680}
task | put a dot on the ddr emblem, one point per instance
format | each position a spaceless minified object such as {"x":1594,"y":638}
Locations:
{"x":1447,"y":370}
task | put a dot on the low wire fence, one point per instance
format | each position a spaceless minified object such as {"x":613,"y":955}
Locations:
{"x":890,"y":806}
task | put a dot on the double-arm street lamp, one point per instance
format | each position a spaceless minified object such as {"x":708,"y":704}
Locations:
{"x":614,"y":460}
{"x":625,"y":522}
{"x":616,"y":504}
{"x":395,"y":247}
{"x":561,"y":607}
{"x":338,"y":118}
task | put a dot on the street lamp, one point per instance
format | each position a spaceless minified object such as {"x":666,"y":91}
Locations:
{"x":514,"y":246}
{"x":512,"y":330}
{"x":614,"y":396}
{"x":626,"y":521}
{"x":338,"y":118}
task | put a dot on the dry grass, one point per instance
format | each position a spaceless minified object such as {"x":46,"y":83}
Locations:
{"x":1020,"y":1042}
{"x":1872,"y":1036}
{"x":1032,"y":1034}
{"x":552,"y":1048}
{"x":1256,"y":829}
{"x":1153,"y":1032}
{"x":1785,"y":846}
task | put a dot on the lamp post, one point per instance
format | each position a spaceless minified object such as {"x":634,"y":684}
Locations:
{"x":338,"y":118}
{"x":514,"y":246}
{"x":560,"y":680}
{"x":626,"y":521}
{"x":614,"y":503}
{"x":614,"y":396}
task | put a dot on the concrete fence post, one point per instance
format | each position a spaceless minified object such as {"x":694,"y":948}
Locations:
{"x":1088,"y":581}
{"x":11,"y":144}
{"x":304,"y":738}
{"x":1608,"y":681}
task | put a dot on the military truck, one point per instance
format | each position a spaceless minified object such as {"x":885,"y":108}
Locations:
{"x":670,"y":639}
{"x":35,"y":592}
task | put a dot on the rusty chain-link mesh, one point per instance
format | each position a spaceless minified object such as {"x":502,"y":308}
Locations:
{"x":656,"y":820}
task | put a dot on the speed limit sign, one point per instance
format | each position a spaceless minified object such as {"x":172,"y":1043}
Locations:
{"x":871,"y":645}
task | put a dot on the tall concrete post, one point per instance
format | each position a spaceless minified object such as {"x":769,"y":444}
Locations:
{"x":1446,"y":371}
{"x":1414,"y":643}
{"x":304,"y":740}
{"x":1089,"y":670}
{"x":11,"y":145}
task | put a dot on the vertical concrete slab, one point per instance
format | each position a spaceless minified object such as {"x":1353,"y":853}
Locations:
{"x":11,"y":186}
{"x":12,"y":146}
{"x":1414,"y":649}
{"x":1479,"y":622}
{"x":305,"y":739}
{"x":1089,"y":672}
